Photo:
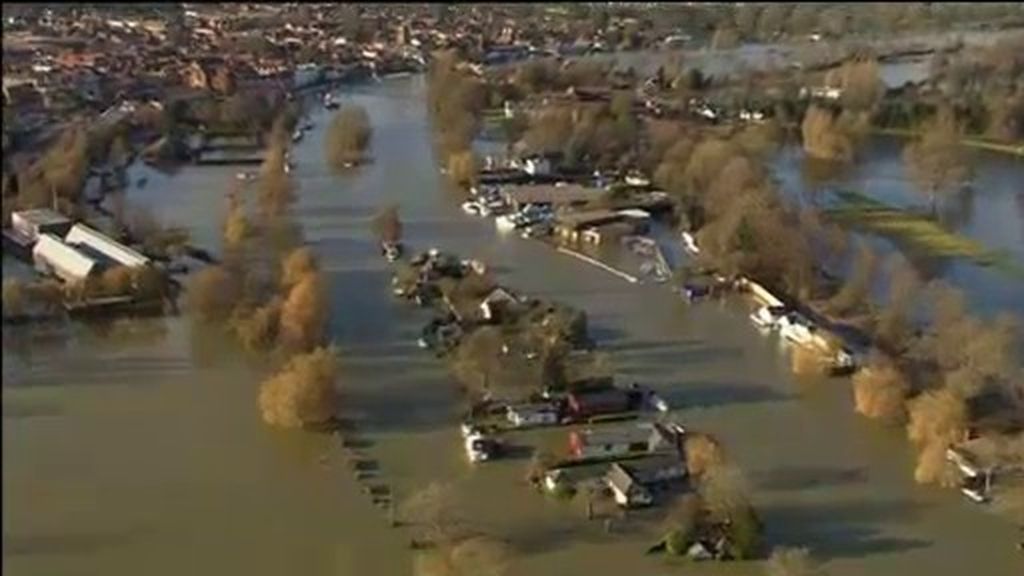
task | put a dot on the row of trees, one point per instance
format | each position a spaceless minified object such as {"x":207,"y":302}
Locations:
{"x":269,"y":292}
{"x":456,"y":99}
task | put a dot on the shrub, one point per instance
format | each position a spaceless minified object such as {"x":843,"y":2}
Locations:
{"x":304,"y":314}
{"x":302,"y":393}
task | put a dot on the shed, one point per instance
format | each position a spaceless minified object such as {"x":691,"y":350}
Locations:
{"x":53,"y":256}
{"x":495,"y":302}
{"x":82,"y":235}
{"x":627,"y":491}
{"x":33,"y":223}
{"x":584,"y":404}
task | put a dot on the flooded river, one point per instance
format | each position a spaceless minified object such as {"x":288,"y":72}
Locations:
{"x":141,"y":450}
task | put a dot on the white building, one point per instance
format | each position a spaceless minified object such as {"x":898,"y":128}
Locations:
{"x":67,"y":263}
{"x":33,"y":223}
{"x":81,"y":236}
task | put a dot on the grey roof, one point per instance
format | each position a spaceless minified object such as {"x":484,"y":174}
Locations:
{"x":549,"y":194}
{"x":41,"y":217}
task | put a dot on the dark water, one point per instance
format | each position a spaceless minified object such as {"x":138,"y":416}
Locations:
{"x":142,"y":450}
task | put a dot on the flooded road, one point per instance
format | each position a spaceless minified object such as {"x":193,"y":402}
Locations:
{"x":145,"y":450}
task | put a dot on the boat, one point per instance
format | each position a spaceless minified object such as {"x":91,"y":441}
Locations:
{"x":690,"y":243}
{"x":330,"y":103}
{"x":767,"y":317}
{"x":481,"y":448}
{"x":297,"y":135}
{"x":244,"y":176}
{"x":391,"y":250}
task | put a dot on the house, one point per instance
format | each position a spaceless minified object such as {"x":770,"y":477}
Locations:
{"x":518,"y":197}
{"x":626,"y":490}
{"x":584,"y":404}
{"x":642,"y":438}
{"x":658,"y":470}
{"x":33,"y":223}
{"x":89,"y":240}
{"x":524,"y":415}
{"x":67,"y":263}
{"x":494,"y":303}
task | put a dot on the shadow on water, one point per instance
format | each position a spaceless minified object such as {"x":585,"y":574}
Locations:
{"x":844,"y":530}
{"x":806,"y":477}
{"x":722,"y":394}
{"x":68,"y":544}
{"x":17,"y":410}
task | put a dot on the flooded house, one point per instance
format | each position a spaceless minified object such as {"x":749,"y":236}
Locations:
{"x":634,"y":483}
{"x":649,"y":438}
{"x":528,"y":415}
{"x":496,"y":304}
{"x":585,"y":404}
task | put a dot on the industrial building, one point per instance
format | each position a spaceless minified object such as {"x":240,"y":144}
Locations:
{"x":34,"y":223}
{"x":52,"y":256}
{"x":101,"y":246}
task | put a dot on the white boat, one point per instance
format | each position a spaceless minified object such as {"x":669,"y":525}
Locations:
{"x":475,"y":208}
{"x":797,"y":329}
{"x":690,"y":243}
{"x":245,"y":176}
{"x":767,"y":317}
{"x":507,"y":222}
{"x":975,"y":495}
{"x":480,"y":448}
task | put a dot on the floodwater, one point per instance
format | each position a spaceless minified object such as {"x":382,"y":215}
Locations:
{"x":991,"y":212}
{"x":141,"y":449}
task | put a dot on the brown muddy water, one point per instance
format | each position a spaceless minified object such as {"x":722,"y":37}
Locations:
{"x":139,"y":449}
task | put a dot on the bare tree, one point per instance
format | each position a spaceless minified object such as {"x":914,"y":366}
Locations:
{"x":936,"y":160}
{"x":880,"y":390}
{"x":387,"y":225}
{"x":348,"y":137}
{"x":938,"y":419}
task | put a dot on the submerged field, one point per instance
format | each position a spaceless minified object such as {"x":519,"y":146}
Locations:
{"x":916,"y":232}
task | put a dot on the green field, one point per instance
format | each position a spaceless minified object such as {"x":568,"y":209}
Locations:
{"x":916,"y":232}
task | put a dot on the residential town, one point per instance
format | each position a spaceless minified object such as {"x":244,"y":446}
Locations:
{"x":514,"y":288}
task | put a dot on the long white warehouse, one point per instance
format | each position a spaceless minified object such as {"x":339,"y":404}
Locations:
{"x":82,"y":235}
{"x":52,"y":255}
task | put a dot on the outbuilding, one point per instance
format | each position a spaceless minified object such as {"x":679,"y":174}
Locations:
{"x":67,"y":263}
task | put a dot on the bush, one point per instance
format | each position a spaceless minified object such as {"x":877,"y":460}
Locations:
{"x":792,"y":562}
{"x":302,"y":393}
{"x":348,"y":137}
